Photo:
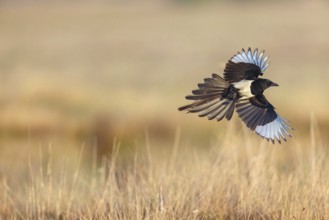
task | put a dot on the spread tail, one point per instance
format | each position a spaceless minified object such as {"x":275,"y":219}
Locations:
{"x":215,"y":98}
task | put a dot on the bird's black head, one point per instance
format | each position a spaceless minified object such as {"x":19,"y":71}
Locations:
{"x":259,"y":85}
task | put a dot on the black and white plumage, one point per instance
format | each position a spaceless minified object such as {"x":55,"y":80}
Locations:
{"x":241,"y":89}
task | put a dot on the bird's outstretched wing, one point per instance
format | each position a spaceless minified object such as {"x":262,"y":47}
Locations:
{"x":245,"y":65}
{"x":213,"y":99}
{"x":259,"y":115}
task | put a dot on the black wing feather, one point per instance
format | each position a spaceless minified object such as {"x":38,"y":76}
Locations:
{"x":235,"y":72}
{"x":259,"y":115}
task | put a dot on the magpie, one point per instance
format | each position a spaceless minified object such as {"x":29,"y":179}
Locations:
{"x":242,"y":90}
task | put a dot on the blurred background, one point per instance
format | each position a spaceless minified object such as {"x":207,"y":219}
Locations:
{"x":81,"y":74}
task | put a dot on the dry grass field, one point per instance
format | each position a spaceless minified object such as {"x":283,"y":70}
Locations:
{"x":89,"y":126}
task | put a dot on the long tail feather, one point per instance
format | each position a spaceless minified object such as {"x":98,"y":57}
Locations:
{"x":211,"y":100}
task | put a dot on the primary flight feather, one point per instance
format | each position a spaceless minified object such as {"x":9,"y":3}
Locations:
{"x":241,"y":89}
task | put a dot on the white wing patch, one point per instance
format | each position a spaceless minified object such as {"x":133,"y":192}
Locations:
{"x":274,"y":130}
{"x":244,"y":88}
{"x":252,"y":57}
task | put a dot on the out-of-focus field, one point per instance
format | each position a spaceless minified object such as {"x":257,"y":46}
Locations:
{"x":80,"y":82}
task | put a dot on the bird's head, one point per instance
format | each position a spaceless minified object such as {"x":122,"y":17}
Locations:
{"x":266,"y":83}
{"x":259,"y":85}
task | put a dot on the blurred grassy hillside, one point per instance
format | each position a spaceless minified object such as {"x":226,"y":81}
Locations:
{"x":70,"y":69}
{"x":81,"y":80}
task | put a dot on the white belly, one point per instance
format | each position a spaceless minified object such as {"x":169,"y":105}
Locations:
{"x":244,"y":88}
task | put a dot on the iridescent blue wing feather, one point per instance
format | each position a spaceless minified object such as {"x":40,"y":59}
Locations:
{"x":259,"y":115}
{"x":245,"y":65}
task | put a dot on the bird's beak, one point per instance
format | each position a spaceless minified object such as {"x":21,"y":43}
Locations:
{"x":274,"y":84}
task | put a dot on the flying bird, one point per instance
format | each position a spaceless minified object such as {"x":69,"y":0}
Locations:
{"x":241,"y":90}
